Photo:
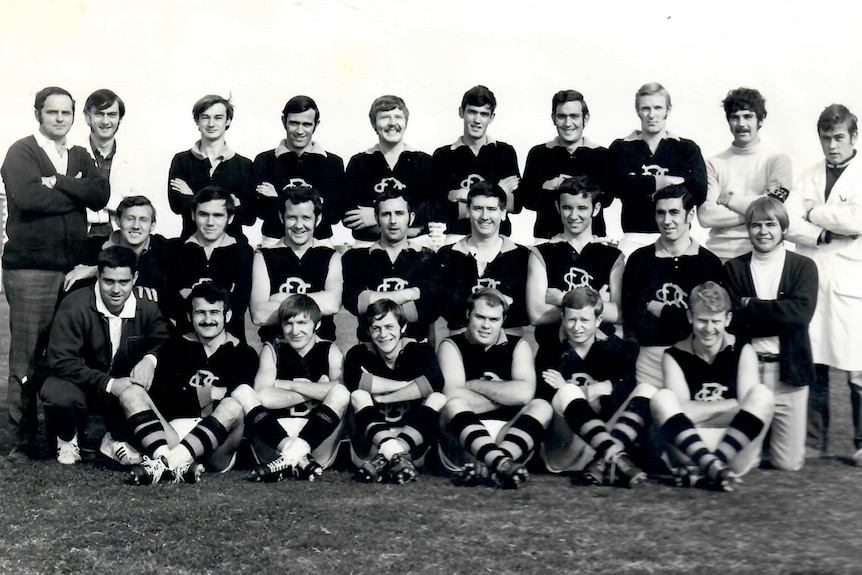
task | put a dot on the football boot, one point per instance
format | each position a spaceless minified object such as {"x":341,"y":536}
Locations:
{"x":372,"y":471}
{"x":401,"y":469}
{"x":510,"y":475}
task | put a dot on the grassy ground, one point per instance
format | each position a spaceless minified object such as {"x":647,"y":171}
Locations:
{"x":85,"y":519}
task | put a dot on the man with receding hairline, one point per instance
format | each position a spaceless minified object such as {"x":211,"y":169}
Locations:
{"x":49,"y":186}
{"x":394,"y":268}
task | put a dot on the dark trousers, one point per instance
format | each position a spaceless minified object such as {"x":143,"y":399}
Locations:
{"x":818,"y":408}
{"x":67,"y":407}
{"x":32,"y":297}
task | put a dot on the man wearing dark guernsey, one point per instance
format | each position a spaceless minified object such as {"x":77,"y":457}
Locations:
{"x":493,"y":419}
{"x":713,"y":411}
{"x":473,"y":157}
{"x":658,"y":279}
{"x":298,"y":162}
{"x":598,"y":411}
{"x":653,"y":158}
{"x":297,"y":264}
{"x":297,"y":409}
{"x":394,"y":268}
{"x":484,"y":259}
{"x":569,"y":154}
{"x":390,"y":162}
{"x":571,"y":259}
{"x":210,"y":162}
{"x":211,"y":254}
{"x":395,"y":386}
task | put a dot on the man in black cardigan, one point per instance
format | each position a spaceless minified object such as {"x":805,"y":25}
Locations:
{"x":49,"y":185}
{"x":774,"y":293}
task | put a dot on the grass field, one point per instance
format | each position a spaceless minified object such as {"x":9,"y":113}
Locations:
{"x":85,"y":519}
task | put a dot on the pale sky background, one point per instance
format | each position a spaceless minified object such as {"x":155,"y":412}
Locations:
{"x":161,"y":56}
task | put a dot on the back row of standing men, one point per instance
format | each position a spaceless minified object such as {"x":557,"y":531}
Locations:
{"x":49,"y":184}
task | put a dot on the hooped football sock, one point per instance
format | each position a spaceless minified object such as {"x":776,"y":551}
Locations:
{"x":421,"y":430}
{"x":680,"y":431}
{"x":148,"y":432}
{"x":631,"y":422}
{"x":265,"y":426}
{"x":322,"y":422}
{"x":522,"y":437}
{"x":476,"y":439}
{"x":588,"y":426}
{"x":370,"y":423}
{"x":205,"y":437}
{"x":742,"y":430}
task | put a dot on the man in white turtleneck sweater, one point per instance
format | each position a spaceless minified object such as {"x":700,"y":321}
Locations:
{"x":739,"y":175}
{"x":774,"y":293}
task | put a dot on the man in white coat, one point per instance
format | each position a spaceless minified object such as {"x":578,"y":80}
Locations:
{"x":103,"y":112}
{"x":826,"y":205}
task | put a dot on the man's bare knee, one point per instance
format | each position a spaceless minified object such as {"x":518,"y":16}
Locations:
{"x":338,"y":398}
{"x":540,"y":410}
{"x":135,"y":399}
{"x":360,"y":399}
{"x":436,"y":401}
{"x":564,"y":396}
{"x":664,"y":405}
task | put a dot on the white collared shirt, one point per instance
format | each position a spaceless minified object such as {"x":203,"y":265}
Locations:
{"x":58,"y":158}
{"x":224,"y":155}
{"x":115,"y":322}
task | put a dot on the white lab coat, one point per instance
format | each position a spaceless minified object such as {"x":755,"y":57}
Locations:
{"x":836,"y":329}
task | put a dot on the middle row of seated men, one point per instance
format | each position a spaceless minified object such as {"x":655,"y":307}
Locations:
{"x":395,"y":286}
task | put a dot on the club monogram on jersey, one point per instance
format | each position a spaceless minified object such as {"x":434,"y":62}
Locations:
{"x":294,"y":285}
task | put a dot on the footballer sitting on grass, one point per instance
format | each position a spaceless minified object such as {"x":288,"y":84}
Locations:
{"x":713,"y":412}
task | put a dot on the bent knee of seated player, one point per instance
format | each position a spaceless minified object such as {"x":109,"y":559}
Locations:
{"x":453,"y":406}
{"x":360,"y":399}
{"x":436,"y":401}
{"x":645,"y":390}
{"x":540,"y":410}
{"x":338,"y":398}
{"x":564,"y":396}
{"x":246,"y":396}
{"x":664,"y":405}
{"x":134,"y":399}
{"x":229,"y":413}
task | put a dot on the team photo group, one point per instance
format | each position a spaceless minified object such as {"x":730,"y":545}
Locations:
{"x":610,"y":359}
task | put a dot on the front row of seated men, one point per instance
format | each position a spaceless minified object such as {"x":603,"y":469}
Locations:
{"x":177,"y":405}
